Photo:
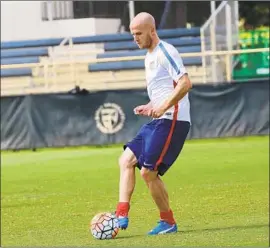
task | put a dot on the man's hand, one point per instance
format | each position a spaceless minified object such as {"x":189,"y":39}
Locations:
{"x":144,"y":110}
{"x":157,"y":112}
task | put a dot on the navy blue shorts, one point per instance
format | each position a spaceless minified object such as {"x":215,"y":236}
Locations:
{"x":158,"y":144}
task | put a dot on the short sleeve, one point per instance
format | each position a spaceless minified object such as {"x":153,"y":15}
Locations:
{"x":170,"y":59}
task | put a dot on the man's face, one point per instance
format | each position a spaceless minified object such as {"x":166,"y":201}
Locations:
{"x":142,"y":36}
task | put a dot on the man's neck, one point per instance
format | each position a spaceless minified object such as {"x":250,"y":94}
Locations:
{"x":153,"y":46}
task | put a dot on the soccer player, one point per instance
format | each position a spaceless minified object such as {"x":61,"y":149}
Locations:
{"x":158,"y":143}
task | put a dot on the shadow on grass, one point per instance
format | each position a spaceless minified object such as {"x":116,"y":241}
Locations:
{"x":223,"y":228}
{"x":130,"y":236}
{"x":198,"y":230}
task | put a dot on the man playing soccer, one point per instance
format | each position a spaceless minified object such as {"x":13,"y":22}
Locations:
{"x":158,"y":143}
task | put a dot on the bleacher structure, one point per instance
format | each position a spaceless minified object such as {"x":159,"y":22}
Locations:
{"x":105,"y":62}
{"x":113,"y":61}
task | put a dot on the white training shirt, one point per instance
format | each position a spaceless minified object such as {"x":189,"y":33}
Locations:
{"x":163,"y":68}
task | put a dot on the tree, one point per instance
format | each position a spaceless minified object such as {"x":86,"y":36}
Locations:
{"x":254,"y":14}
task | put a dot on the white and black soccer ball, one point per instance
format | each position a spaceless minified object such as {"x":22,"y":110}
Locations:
{"x":104,"y":226}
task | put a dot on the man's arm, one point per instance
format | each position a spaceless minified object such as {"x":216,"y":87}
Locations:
{"x":182,"y":88}
{"x":149,"y":105}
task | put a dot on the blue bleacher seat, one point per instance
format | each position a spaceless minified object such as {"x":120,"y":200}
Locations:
{"x":168,"y":33}
{"x":117,"y":54}
{"x":137,"y":64}
{"x":20,"y":60}
{"x":116,"y":66}
{"x":30,"y":43}
{"x":16,"y":72}
{"x":178,"y":32}
{"x":24,"y":52}
{"x":125,"y":45}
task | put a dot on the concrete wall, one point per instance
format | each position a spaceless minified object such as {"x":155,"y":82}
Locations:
{"x":23,"y":21}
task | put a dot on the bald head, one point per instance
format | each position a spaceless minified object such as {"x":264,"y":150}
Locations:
{"x":143,"y":29}
{"x":143,"y":19}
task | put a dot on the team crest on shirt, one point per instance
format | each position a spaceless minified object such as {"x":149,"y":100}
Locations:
{"x":110,"y":118}
{"x":151,"y":65}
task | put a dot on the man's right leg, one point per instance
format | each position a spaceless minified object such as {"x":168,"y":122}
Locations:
{"x":127,"y":163}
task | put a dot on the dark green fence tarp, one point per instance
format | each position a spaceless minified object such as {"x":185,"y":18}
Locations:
{"x":57,"y":120}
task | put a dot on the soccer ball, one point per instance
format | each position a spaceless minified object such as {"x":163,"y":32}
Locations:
{"x":104,"y":226}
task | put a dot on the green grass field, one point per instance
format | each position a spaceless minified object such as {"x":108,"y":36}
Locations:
{"x":219,"y":191}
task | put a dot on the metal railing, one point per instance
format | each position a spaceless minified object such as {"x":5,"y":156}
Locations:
{"x":57,"y":10}
{"x":219,"y":33}
{"x":47,"y":66}
{"x":129,"y":58}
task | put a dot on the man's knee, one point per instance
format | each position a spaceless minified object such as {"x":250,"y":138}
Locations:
{"x":127,"y":159}
{"x":148,"y":175}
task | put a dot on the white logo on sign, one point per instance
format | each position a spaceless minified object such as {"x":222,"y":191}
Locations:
{"x":109,"y":118}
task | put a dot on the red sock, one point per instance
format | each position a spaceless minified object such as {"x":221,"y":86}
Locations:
{"x":122,"y":209}
{"x":168,"y":217}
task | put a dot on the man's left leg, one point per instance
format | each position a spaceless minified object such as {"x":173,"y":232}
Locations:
{"x":160,"y":152}
{"x":160,"y":196}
